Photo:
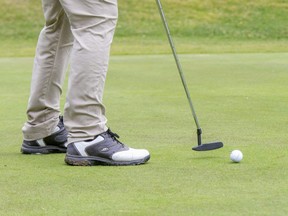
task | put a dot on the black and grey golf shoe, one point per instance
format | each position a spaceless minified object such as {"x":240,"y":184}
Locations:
{"x":55,"y":143}
{"x":104,"y":149}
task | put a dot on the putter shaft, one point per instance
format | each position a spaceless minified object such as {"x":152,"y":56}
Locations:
{"x":165,"y":23}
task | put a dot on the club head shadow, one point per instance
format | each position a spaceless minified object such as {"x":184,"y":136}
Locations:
{"x":208,"y":146}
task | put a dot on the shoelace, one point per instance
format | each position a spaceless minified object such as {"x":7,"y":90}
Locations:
{"x":61,"y":121}
{"x":114,"y":136}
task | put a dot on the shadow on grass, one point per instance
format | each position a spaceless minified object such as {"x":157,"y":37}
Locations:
{"x":205,"y":157}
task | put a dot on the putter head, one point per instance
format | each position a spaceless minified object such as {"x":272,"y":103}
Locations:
{"x":208,"y":146}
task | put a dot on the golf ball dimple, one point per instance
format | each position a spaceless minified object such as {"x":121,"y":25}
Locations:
{"x":236,"y":156}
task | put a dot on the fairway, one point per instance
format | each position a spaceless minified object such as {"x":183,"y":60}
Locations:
{"x":240,"y":99}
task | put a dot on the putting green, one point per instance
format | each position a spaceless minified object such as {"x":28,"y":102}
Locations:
{"x":240,"y":99}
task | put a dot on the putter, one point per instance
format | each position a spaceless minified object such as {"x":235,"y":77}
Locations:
{"x":201,"y":146}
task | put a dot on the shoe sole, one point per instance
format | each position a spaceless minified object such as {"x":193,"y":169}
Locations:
{"x":75,"y":160}
{"x":42,"y":150}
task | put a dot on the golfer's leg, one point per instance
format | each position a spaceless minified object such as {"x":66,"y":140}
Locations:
{"x":93,"y":24}
{"x":52,"y":53}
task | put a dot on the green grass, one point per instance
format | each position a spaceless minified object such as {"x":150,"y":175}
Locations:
{"x":240,"y":99}
{"x":198,"y":26}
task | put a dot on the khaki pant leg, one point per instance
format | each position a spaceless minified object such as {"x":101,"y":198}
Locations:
{"x":50,"y":63}
{"x":93,"y":24}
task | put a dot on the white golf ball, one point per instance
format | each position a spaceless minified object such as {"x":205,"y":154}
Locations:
{"x":236,"y":156}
